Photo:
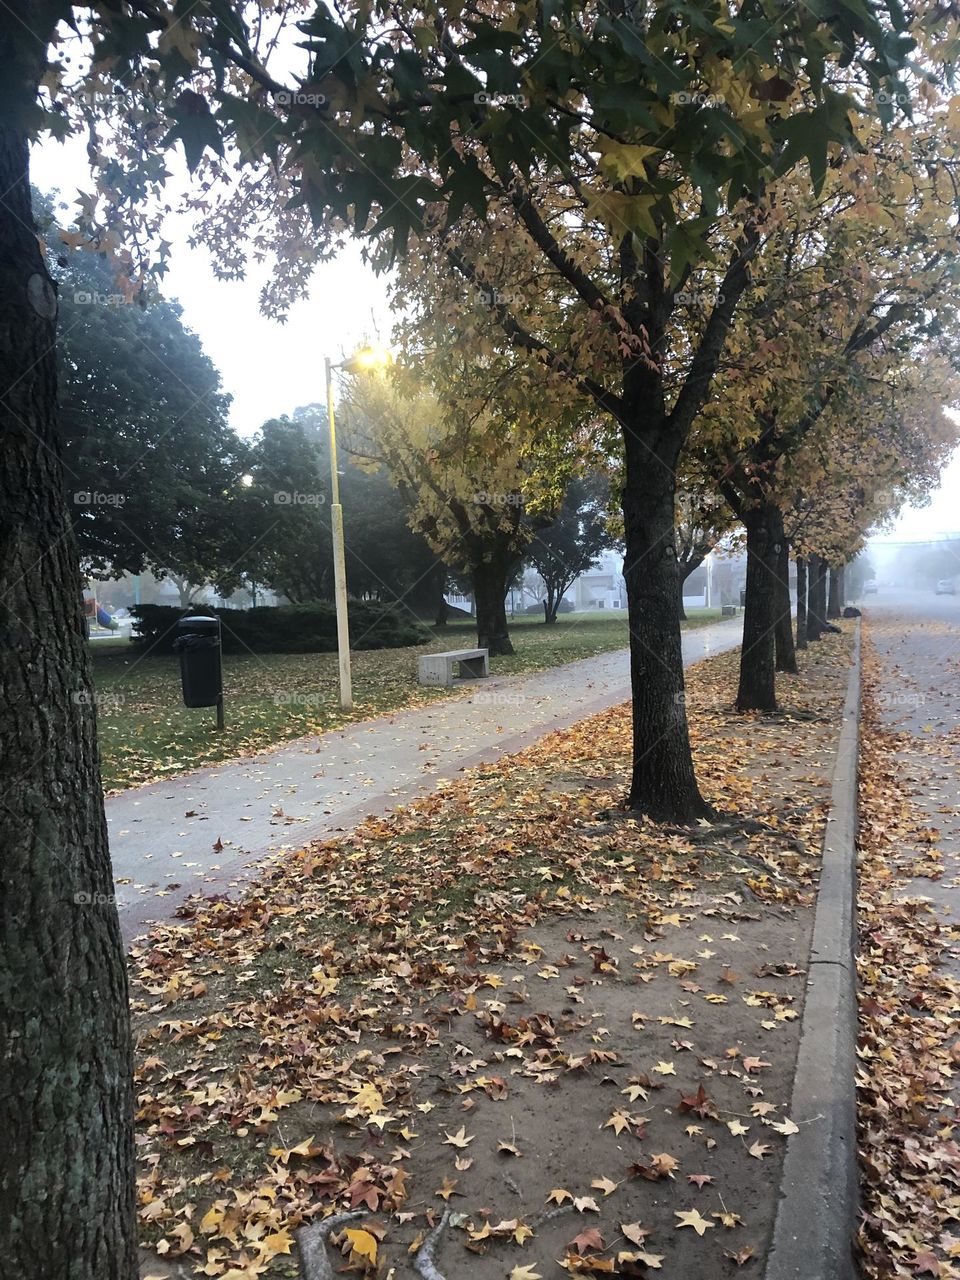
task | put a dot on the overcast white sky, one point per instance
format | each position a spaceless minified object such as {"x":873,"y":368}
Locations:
{"x":270,"y":368}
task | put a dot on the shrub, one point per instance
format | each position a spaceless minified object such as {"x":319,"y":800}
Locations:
{"x":293,"y":628}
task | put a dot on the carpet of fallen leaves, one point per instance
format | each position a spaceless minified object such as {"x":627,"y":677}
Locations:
{"x":508,"y":1024}
{"x":909,"y":1000}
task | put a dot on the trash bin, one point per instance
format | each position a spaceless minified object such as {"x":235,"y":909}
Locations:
{"x":201,"y":672}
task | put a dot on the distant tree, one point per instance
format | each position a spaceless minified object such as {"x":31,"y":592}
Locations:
{"x":150,"y":463}
{"x":568,"y":546}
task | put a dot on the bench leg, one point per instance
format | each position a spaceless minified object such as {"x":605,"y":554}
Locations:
{"x":473,"y":668}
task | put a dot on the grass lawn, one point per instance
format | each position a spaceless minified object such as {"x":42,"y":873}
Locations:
{"x":147,"y":733}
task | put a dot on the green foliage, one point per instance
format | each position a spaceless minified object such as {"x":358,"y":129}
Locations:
{"x":150,"y":462}
{"x":302,"y":628}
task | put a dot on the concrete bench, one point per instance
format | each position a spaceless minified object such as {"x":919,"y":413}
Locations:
{"x":437,"y":668}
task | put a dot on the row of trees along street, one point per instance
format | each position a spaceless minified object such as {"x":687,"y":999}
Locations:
{"x":685,"y":241}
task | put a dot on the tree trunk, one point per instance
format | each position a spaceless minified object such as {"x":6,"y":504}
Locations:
{"x":489,"y":579}
{"x":783,"y":632}
{"x":842,"y":588}
{"x":441,"y":609}
{"x":833,"y":601}
{"x":681,"y":611}
{"x":757,"y":689}
{"x":817,"y":598}
{"x":66,"y":1114}
{"x":663,"y":783}
{"x":801,"y":603}
{"x":551,"y":604}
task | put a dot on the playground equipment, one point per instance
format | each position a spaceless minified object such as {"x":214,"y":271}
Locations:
{"x":97,"y":615}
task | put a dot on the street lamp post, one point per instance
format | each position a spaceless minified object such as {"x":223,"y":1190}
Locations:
{"x":368,"y":358}
{"x":339,"y":562}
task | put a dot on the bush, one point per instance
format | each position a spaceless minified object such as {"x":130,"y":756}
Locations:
{"x":293,"y":628}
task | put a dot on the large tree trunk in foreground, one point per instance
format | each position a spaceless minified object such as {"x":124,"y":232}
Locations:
{"x":66,"y":1150}
{"x":783,"y":631}
{"x":681,"y":611}
{"x":757,"y":689}
{"x":817,"y":598}
{"x":833,"y":600}
{"x":663,"y":783}
{"x":801,"y":603}
{"x":489,"y":578}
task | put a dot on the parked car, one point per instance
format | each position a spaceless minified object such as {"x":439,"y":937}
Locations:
{"x":870,"y":587}
{"x":946,"y":587}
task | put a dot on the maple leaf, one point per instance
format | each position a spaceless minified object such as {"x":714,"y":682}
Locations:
{"x":558,"y":1195}
{"x":458,"y":1139}
{"x":362,"y":1244}
{"x":588,"y":1239}
{"x":758,"y":1150}
{"x":584,"y":1203}
{"x":633,"y":1232}
{"x":525,"y":1273}
{"x":699,"y":1179}
{"x":692,"y":1218}
{"x":606,"y":1185}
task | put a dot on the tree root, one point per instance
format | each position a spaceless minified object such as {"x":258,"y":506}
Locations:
{"x":739,"y":827}
{"x":312,"y":1242}
{"x":423,"y":1259}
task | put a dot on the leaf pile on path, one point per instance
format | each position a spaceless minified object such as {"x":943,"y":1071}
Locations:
{"x":562,"y":1037}
{"x":909,"y":1013}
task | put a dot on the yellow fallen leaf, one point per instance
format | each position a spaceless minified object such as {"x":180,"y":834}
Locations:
{"x":362,"y":1244}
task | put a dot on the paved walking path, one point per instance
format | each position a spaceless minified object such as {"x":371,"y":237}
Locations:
{"x":203,"y":830}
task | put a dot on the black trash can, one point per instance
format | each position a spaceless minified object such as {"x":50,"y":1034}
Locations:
{"x":201,"y":670}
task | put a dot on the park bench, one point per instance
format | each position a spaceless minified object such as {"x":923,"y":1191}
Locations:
{"x":437,"y":668}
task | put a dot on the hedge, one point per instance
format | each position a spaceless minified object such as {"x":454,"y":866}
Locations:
{"x":294,"y":628}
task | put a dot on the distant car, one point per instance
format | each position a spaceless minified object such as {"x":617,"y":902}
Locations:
{"x":946,"y":587}
{"x":870,"y":587}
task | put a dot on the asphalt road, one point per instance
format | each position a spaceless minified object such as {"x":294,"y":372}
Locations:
{"x":207,"y":829}
{"x":916,"y":636}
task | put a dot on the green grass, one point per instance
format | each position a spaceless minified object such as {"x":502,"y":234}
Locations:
{"x":146,"y":732}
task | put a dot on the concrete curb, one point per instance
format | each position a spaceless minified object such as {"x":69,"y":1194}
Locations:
{"x":816,"y":1214}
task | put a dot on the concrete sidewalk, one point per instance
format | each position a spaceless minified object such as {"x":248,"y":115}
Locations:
{"x":204,"y":830}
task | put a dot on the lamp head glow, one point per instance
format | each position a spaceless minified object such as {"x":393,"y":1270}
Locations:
{"x":246,"y":480}
{"x":367,"y":359}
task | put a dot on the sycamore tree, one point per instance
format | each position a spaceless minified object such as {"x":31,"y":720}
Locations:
{"x":848,"y":286}
{"x":361,"y":121}
{"x":464,"y":486}
{"x":571,"y":543}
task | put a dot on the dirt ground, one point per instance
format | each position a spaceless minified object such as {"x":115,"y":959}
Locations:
{"x":571,"y":1032}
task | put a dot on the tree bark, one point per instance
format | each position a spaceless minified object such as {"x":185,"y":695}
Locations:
{"x":833,"y":600}
{"x":681,"y":611}
{"x":66,"y":1116}
{"x":489,"y":578}
{"x":786,"y":653}
{"x":757,"y":689}
{"x":817,"y":598}
{"x":801,"y":603}
{"x":663,"y":783}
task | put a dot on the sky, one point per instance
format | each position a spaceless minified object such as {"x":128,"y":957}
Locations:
{"x":270,"y":368}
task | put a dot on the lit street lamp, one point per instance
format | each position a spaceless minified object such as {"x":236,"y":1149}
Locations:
{"x":364,"y":360}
